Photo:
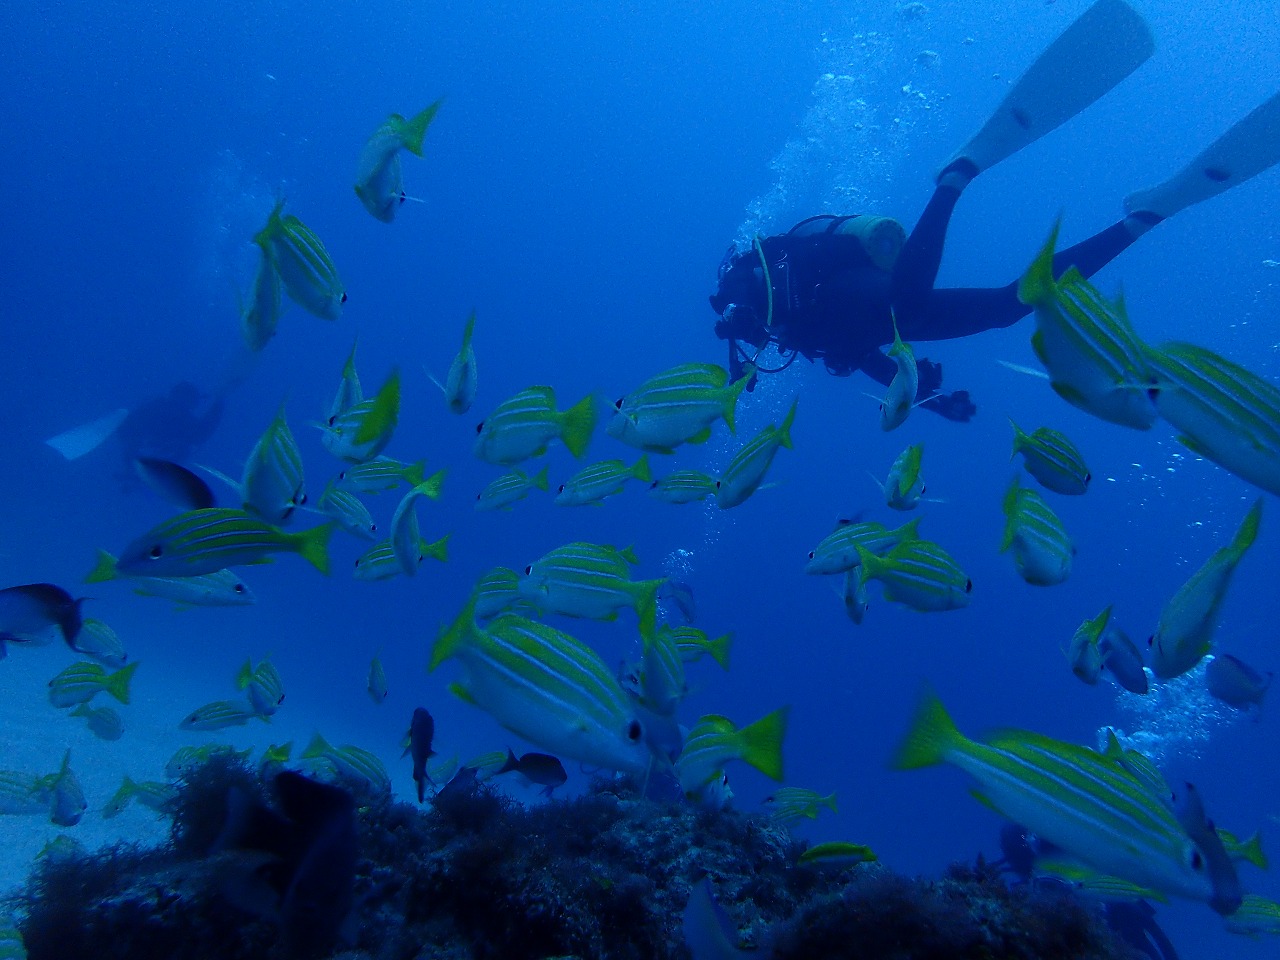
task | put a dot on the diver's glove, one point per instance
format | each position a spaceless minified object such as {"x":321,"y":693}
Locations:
{"x":954,"y":406}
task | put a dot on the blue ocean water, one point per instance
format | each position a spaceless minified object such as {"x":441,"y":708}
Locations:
{"x":587,"y":169}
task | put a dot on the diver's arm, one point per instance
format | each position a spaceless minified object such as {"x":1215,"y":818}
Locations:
{"x":878,"y":367}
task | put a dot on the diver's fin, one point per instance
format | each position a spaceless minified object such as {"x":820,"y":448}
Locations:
{"x":76,"y":442}
{"x":1108,"y":42}
{"x":1240,"y":154}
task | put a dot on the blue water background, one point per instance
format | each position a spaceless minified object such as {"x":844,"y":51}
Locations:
{"x":589,"y":165}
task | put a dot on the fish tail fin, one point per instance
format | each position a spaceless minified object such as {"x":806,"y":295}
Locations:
{"x":432,"y":486}
{"x":117,"y":684}
{"x":104,"y":569}
{"x":1009,"y":505}
{"x":1019,"y":439}
{"x":729,"y":411}
{"x":872,"y":565}
{"x":1248,"y":531}
{"x":932,"y":733}
{"x":263,"y":237}
{"x":762,"y":742}
{"x":640,"y":470}
{"x":316,"y":749}
{"x":646,"y":600}
{"x":452,"y":637}
{"x":1037,"y":284}
{"x":909,"y":531}
{"x":719,"y":650}
{"x":512,"y":763}
{"x":415,"y":473}
{"x":313,"y":546}
{"x":784,"y":428}
{"x":540,"y":480}
{"x":245,"y":674}
{"x":382,"y":418}
{"x":576,"y":425}
{"x":413,"y":130}
{"x":1251,"y":850}
{"x":468,"y":330}
{"x":830,"y":801}
{"x":436,"y":550}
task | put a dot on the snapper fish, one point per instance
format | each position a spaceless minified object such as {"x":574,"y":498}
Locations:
{"x":1052,"y":460}
{"x":524,"y":425}
{"x":683,"y":486}
{"x":1123,"y":660}
{"x":22,"y":794}
{"x":99,"y":641}
{"x":854,"y":594}
{"x":262,"y":686}
{"x":1094,"y":358}
{"x":677,"y":406}
{"x":105,"y":723}
{"x":693,"y":644}
{"x":348,"y":511}
{"x":1083,"y":652}
{"x":376,"y":685}
{"x":381,"y":562}
{"x":495,"y":592}
{"x":1256,"y":916}
{"x":1070,"y":796}
{"x":360,"y":433}
{"x":790,"y":804}
{"x":1224,"y":412}
{"x":221,"y":714}
{"x":406,"y":538}
{"x":594,"y":483}
{"x":591,"y":581}
{"x":1244,"y":851}
{"x":305,"y":267}
{"x":207,"y":541}
{"x":379,"y":180}
{"x":261,"y":315}
{"x":837,"y":852}
{"x":222,"y":588}
{"x":901,"y":395}
{"x":459,"y":387}
{"x":153,"y":794}
{"x":546,"y":687}
{"x":381,"y":474}
{"x":349,"y":392}
{"x":1187,"y":624}
{"x":918,"y":574}
{"x":1042,"y":551}
{"x":838,"y":551}
{"x":509,"y":489}
{"x":273,"y":486}
{"x":81,"y":682}
{"x":68,"y":802}
{"x":904,"y":486}
{"x":350,"y":761}
{"x":746,"y":471}
{"x":714,"y":741}
{"x":662,"y":679}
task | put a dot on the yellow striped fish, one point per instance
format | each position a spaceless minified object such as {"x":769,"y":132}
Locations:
{"x":1042,"y":551}
{"x":305,"y":267}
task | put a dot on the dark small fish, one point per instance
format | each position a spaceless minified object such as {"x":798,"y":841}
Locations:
{"x":681,"y":594}
{"x":1122,"y":658}
{"x":422,"y":730}
{"x":32,"y":608}
{"x":1234,"y":682}
{"x":175,"y":483}
{"x":312,"y":848}
{"x":540,"y":768}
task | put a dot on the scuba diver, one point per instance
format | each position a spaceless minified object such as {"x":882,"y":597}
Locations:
{"x":832,"y":287}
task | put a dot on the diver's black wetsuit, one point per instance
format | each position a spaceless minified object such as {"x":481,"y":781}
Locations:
{"x":831,"y":302}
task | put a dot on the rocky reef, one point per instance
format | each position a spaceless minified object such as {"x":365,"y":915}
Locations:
{"x":475,"y":874}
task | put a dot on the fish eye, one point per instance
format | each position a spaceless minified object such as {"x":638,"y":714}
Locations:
{"x":922,"y":490}
{"x":479,"y":426}
{"x":561,"y":489}
{"x":156,"y":552}
{"x":343,"y":474}
{"x":344,"y":297}
{"x":968,"y":586}
{"x":811,"y":554}
{"x":479,"y":495}
{"x":1197,"y":861}
{"x":528,"y":570}
{"x":634,"y":731}
{"x":373,"y":527}
{"x":717,"y":484}
{"x":333,"y":420}
{"x":1088,"y":477}
{"x":238,"y":588}
{"x":302,"y":499}
{"x":1151,"y":640}
{"x":617,"y":404}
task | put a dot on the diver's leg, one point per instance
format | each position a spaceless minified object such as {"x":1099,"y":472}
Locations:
{"x":917,"y":265}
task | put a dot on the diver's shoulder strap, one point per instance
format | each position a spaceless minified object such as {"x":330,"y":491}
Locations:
{"x":1107,"y":43}
{"x":1251,"y":146}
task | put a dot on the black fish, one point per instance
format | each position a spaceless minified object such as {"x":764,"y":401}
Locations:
{"x":306,"y":881}
{"x":32,"y":608}
{"x":175,"y":483}
{"x":422,"y":730}
{"x":540,"y":768}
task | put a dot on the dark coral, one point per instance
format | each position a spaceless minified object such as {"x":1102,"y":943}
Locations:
{"x":604,"y":875}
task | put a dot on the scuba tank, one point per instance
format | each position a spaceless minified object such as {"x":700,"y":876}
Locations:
{"x":881,"y":238}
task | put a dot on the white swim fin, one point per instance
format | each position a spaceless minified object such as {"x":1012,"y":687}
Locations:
{"x":1108,"y":42}
{"x":76,"y":442}
{"x":1240,"y":154}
